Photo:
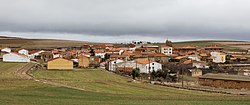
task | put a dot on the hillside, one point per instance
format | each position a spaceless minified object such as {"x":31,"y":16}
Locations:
{"x":38,"y":43}
{"x":227,"y":44}
{"x":101,"y":88}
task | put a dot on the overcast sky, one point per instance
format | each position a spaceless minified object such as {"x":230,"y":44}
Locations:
{"x":126,"y":20}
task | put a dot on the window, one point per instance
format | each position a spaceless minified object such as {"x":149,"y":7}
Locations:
{"x":153,"y":68}
{"x":152,"y":63}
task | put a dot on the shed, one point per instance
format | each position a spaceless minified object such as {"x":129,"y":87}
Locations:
{"x":60,"y":64}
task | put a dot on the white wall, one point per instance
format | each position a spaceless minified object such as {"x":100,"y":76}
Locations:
{"x":167,"y":50}
{"x":6,"y":50}
{"x":112,"y":64}
{"x":101,"y":55}
{"x":153,"y":66}
{"x":23,"y":51}
{"x":10,"y":57}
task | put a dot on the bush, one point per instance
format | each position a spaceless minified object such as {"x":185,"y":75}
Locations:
{"x":135,"y":73}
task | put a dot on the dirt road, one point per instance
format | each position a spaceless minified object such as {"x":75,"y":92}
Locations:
{"x":23,"y":74}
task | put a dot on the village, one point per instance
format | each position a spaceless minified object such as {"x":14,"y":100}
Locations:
{"x":212,"y":66}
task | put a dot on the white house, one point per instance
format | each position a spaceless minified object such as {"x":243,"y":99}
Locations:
{"x":113,"y":64}
{"x":147,"y":66}
{"x":194,"y":57}
{"x":33,"y":55}
{"x":24,"y":52}
{"x":100,"y":54}
{"x":218,"y":57}
{"x":200,"y":64}
{"x":15,"y":57}
{"x":8,"y":50}
{"x":167,"y":50}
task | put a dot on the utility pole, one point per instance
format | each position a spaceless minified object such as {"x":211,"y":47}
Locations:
{"x":149,"y":74}
{"x":182,"y":77}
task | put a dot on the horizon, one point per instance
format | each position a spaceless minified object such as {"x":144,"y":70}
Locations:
{"x":162,"y":41}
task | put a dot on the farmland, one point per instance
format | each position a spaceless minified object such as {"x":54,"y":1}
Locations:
{"x":38,"y":43}
{"x":101,"y":87}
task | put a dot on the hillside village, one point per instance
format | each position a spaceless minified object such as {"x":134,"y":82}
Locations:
{"x":212,"y":65}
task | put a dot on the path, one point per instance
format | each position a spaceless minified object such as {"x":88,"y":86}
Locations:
{"x":23,"y":74}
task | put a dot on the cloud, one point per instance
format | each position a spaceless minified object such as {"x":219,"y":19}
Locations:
{"x":127,"y":19}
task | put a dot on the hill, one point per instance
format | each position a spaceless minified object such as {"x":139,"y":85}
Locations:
{"x":101,"y":88}
{"x":39,"y":43}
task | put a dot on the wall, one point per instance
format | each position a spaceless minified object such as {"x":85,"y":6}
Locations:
{"x":60,"y":64}
{"x":15,"y":58}
{"x":83,"y":61}
{"x":224,"y":83}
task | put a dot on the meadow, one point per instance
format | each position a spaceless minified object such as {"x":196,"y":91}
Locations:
{"x":101,"y":88}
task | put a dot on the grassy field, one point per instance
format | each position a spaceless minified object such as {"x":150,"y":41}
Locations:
{"x":102,"y":88}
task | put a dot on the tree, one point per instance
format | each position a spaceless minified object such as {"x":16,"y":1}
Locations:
{"x":153,"y":74}
{"x":92,"y":52}
{"x":135,"y":73}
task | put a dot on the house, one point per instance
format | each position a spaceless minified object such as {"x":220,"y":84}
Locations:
{"x":15,"y":57}
{"x":194,"y":72}
{"x":45,"y":56}
{"x":184,"y":49}
{"x":159,"y":57}
{"x":83,"y":61}
{"x":100,"y":53}
{"x":166,"y":50}
{"x":35,"y":53}
{"x":122,"y":57}
{"x":6,"y":50}
{"x":148,"y":66}
{"x":225,"y":81}
{"x":195,"y":57}
{"x":200,"y":65}
{"x":94,"y":61}
{"x":23,"y":51}
{"x":112,"y":65}
{"x":59,"y":64}
{"x":218,"y":57}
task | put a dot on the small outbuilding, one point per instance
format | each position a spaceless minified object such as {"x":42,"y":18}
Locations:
{"x":60,"y":64}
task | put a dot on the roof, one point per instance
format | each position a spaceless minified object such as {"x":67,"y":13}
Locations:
{"x":18,"y":54}
{"x":226,"y":77}
{"x":127,"y":53}
{"x":187,"y":62}
{"x":204,"y":55}
{"x":99,"y":51}
{"x":118,"y":56}
{"x":33,"y":51}
{"x":58,"y":58}
{"x":180,"y":57}
{"x":158,"y":55}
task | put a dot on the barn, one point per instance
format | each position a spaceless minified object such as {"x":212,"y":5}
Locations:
{"x":60,"y":64}
{"x":15,"y":57}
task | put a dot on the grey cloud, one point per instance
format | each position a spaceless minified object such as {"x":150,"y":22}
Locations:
{"x":193,"y":19}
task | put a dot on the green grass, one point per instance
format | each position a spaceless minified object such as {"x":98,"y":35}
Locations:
{"x":102,"y":88}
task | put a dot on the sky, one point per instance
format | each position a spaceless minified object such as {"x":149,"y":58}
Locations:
{"x":126,"y":20}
